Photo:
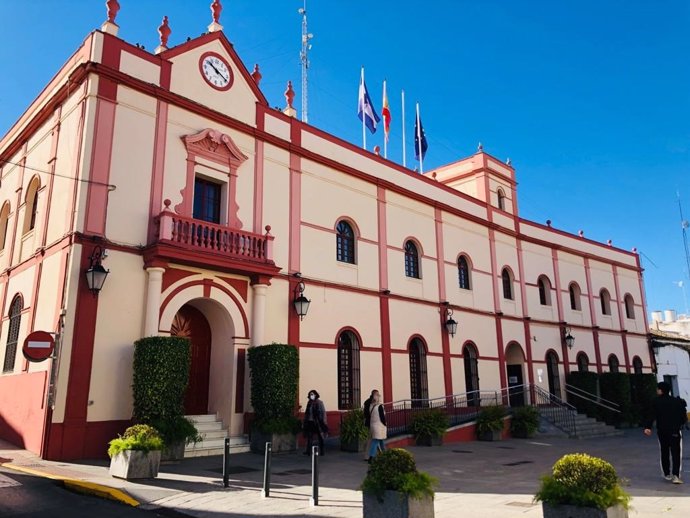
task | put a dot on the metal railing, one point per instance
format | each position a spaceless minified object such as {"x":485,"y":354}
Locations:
{"x":592,"y":398}
{"x":559,"y":413}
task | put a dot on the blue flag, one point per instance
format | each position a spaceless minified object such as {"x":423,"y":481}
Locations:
{"x":419,"y":143}
{"x":365,"y":108}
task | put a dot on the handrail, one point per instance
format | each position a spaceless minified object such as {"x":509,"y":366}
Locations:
{"x":588,"y":396}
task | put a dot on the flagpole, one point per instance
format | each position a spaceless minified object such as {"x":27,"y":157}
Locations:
{"x":385,"y":135}
{"x":364,"y":114}
{"x":402,"y":92}
{"x":419,"y":140}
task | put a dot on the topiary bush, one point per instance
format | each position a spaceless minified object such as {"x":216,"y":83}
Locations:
{"x":161,"y":374}
{"x":274,"y":374}
{"x":615,"y":386}
{"x":581,"y":480}
{"x":140,"y":437}
{"x":429,"y":423}
{"x":490,"y":419}
{"x":396,"y":470}
{"x":642,"y":393}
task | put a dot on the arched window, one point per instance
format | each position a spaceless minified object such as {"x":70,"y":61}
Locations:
{"x":613,"y":363}
{"x":637,"y":365}
{"x":553,"y":374}
{"x":348,"y":371}
{"x":411,"y":260}
{"x":4,"y":222}
{"x":469,"y":355}
{"x":575,"y":296}
{"x":501,"y":199}
{"x":31,"y":205}
{"x":464,"y":273}
{"x":582,"y":362}
{"x":507,"y":279}
{"x":419,"y":385}
{"x":629,"y":306}
{"x":605,"y":299}
{"x":15,"y":315}
{"x":345,"y":243}
{"x":544,"y":291}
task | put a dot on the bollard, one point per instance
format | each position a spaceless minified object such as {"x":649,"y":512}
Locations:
{"x":267,"y":471}
{"x":226,"y":462}
{"x":314,"y":500}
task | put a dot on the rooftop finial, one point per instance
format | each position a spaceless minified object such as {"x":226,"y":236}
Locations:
{"x":480,"y":148}
{"x":164,"y":30}
{"x":109,"y":26}
{"x":216,"y":8}
{"x":256,"y":75}
{"x":289,"y":98}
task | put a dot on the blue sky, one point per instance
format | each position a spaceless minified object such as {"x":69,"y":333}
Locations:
{"x":589,"y":99}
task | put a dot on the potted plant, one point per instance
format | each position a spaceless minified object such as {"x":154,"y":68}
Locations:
{"x":353,"y":431}
{"x":582,"y":486}
{"x":136,"y":454}
{"x":274,"y":374}
{"x":177,"y":432}
{"x":490,"y":423}
{"x":428,"y":427}
{"x":393,"y":488}
{"x":524,"y":422}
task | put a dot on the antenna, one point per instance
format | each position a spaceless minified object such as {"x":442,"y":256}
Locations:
{"x":304,"y":60}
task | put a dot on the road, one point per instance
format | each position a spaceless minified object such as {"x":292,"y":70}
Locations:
{"x":31,"y":496}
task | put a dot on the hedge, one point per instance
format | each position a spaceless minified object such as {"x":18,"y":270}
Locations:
{"x":615,"y":386}
{"x":642,"y":393}
{"x":274,"y":373}
{"x":161,"y":374}
{"x":588,"y":382}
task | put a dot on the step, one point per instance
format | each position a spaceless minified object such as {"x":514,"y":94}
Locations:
{"x":208,"y":435}
{"x":207,"y":452}
{"x":206,"y":426}
{"x":205,"y":418}
{"x":217,"y":447}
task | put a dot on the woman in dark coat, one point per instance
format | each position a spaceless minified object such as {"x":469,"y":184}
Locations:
{"x":315,"y":422}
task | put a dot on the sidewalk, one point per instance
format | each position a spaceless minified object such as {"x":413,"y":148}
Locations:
{"x":484,"y":480}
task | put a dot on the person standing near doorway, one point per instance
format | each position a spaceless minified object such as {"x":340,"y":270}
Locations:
{"x":367,"y":421}
{"x":315,"y":422}
{"x":668,"y":414}
{"x":377,"y":425}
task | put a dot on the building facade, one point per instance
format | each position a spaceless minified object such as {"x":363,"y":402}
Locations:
{"x":216,"y":210}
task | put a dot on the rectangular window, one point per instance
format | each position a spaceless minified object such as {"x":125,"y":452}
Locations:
{"x":206,"y":201}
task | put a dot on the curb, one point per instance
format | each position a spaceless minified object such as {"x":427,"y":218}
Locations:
{"x":81,"y":486}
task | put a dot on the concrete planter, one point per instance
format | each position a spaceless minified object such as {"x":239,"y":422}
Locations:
{"x":280,"y":442}
{"x":490,"y":436}
{"x":397,"y":505}
{"x":429,"y":440}
{"x":572,"y":511}
{"x":353,"y":446}
{"x":134,"y":464}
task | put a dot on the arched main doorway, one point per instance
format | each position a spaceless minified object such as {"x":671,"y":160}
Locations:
{"x":469,"y":355}
{"x":419,"y":385}
{"x":191,"y":323}
{"x":515,"y":359}
{"x":553,"y":374}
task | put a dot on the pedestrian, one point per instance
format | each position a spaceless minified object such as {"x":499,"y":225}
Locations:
{"x":685,"y":412}
{"x":377,"y":425}
{"x":315,"y":422}
{"x":367,"y":421}
{"x":668,"y":414}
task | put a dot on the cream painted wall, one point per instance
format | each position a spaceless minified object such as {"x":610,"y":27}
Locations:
{"x":370,"y":373}
{"x":276,"y":202}
{"x":436,"y":383}
{"x":278,"y":297}
{"x":118,"y":326}
{"x":318,"y":369}
{"x":408,"y":319}
{"x":131,"y":159}
{"x":407,"y":218}
{"x":480,"y":294}
{"x":479,"y":329}
{"x":400,"y":366}
{"x":186,"y":79}
{"x":87,"y":149}
{"x":21,"y":284}
{"x":611,"y":344}
{"x":141,"y":69}
{"x":276,"y":126}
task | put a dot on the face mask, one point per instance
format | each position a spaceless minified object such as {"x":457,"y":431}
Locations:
{"x":312,"y":397}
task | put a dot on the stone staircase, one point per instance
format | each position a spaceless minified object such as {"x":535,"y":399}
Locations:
{"x":585,"y":427}
{"x":211,"y":428}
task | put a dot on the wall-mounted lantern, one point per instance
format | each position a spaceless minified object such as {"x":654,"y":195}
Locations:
{"x":300,"y":302}
{"x":96,"y":274}
{"x":569,"y":339}
{"x":450,"y":324}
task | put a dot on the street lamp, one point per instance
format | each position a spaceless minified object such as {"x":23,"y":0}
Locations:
{"x":450,"y":324}
{"x":96,"y":274}
{"x":300,"y":302}
{"x":569,"y":339}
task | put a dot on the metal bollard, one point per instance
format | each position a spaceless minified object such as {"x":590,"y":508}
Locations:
{"x":226,"y":462}
{"x":266,"y":492}
{"x":314,"y":500}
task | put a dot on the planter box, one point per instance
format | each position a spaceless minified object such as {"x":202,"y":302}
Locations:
{"x":356,"y":446}
{"x":397,"y":505}
{"x":173,"y":453}
{"x":133,"y":464}
{"x":572,"y":511}
{"x":490,"y":436}
{"x":429,"y":440}
{"x":280,"y":442}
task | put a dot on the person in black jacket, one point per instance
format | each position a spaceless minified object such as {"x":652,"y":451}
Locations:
{"x":668,"y":414}
{"x":367,"y":421}
{"x":315,"y":422}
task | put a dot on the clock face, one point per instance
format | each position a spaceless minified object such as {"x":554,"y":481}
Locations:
{"x":216,"y":71}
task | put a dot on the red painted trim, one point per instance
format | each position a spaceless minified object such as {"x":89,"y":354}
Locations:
{"x":386,"y":362}
{"x":501,"y":353}
{"x":94,"y":434}
{"x":293,"y":318}
{"x":166,"y":74}
{"x":99,"y":174}
{"x":528,"y":348}
{"x":240,"y":285}
{"x":494,"y":269}
{"x":157,"y":173}
{"x":231,"y":79}
{"x":173,"y":275}
{"x":295,"y":212}
{"x":258,"y":186}
{"x":593,"y":316}
{"x":239,"y":383}
{"x":207,"y":287}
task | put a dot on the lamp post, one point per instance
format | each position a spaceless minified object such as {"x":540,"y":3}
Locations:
{"x":450,"y":324}
{"x":300,"y":302}
{"x":96,"y":274}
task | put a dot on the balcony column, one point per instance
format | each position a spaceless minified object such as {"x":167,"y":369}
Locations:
{"x":153,"y":300}
{"x":258,"y":314}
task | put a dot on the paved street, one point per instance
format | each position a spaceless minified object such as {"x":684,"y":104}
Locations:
{"x":484,"y":480}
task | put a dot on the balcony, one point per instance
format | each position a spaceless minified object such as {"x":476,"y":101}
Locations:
{"x":208,"y":245}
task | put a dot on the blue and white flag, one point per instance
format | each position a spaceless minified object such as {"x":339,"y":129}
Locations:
{"x":420,"y":144}
{"x":365,"y":109}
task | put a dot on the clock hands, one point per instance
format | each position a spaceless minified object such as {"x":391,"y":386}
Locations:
{"x":218,"y":71}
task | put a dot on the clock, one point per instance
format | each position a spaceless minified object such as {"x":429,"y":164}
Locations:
{"x":216,"y":71}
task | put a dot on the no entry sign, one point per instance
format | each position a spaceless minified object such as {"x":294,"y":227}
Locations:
{"x":38,"y":346}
